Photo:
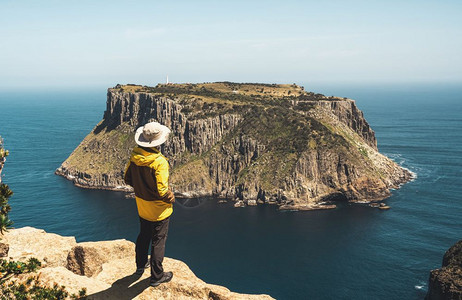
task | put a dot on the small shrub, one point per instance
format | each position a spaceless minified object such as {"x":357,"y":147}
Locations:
{"x":32,"y":288}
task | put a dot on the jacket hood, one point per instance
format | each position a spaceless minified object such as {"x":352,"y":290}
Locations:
{"x":142,"y":157}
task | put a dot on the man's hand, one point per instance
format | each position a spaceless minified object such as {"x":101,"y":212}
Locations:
{"x":169,"y":197}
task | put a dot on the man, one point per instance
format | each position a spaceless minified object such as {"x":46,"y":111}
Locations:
{"x":147,"y":172}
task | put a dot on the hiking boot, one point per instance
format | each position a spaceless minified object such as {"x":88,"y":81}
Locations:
{"x":140,"y":271}
{"x":166,"y":278}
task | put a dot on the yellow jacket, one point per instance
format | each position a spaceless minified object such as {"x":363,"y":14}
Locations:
{"x":147,"y":172}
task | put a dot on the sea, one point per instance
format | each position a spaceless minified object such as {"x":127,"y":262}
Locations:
{"x":351,"y":252}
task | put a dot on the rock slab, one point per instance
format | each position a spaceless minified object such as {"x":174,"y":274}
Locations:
{"x":106,"y":269}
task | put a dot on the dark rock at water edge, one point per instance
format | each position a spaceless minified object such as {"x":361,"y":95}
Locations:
{"x":446,"y":283}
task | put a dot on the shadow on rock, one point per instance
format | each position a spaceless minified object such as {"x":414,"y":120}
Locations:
{"x":124,"y":288}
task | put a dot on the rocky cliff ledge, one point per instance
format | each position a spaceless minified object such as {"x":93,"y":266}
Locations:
{"x":264,"y":143}
{"x":446,"y":283}
{"x":106,"y":269}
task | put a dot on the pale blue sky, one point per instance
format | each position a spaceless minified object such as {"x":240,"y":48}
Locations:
{"x":100,"y":43}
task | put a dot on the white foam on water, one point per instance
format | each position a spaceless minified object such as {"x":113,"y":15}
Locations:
{"x":420,"y":286}
{"x":413,"y":174}
{"x":400,"y":160}
{"x":362,"y":202}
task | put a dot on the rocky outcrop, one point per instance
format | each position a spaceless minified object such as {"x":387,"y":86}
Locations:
{"x":106,"y":269}
{"x":446,"y":283}
{"x":259,"y":143}
{"x":51,"y":249}
{"x":88,"y":258}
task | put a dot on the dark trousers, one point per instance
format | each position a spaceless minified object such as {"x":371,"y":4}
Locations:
{"x":156,"y":234}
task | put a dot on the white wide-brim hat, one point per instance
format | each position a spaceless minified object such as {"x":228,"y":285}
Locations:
{"x":151,"y":134}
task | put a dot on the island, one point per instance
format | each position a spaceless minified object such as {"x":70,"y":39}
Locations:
{"x":251,"y":143}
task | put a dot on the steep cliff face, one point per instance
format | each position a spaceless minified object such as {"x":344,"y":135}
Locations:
{"x":271,"y":143}
{"x":446,"y":283}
